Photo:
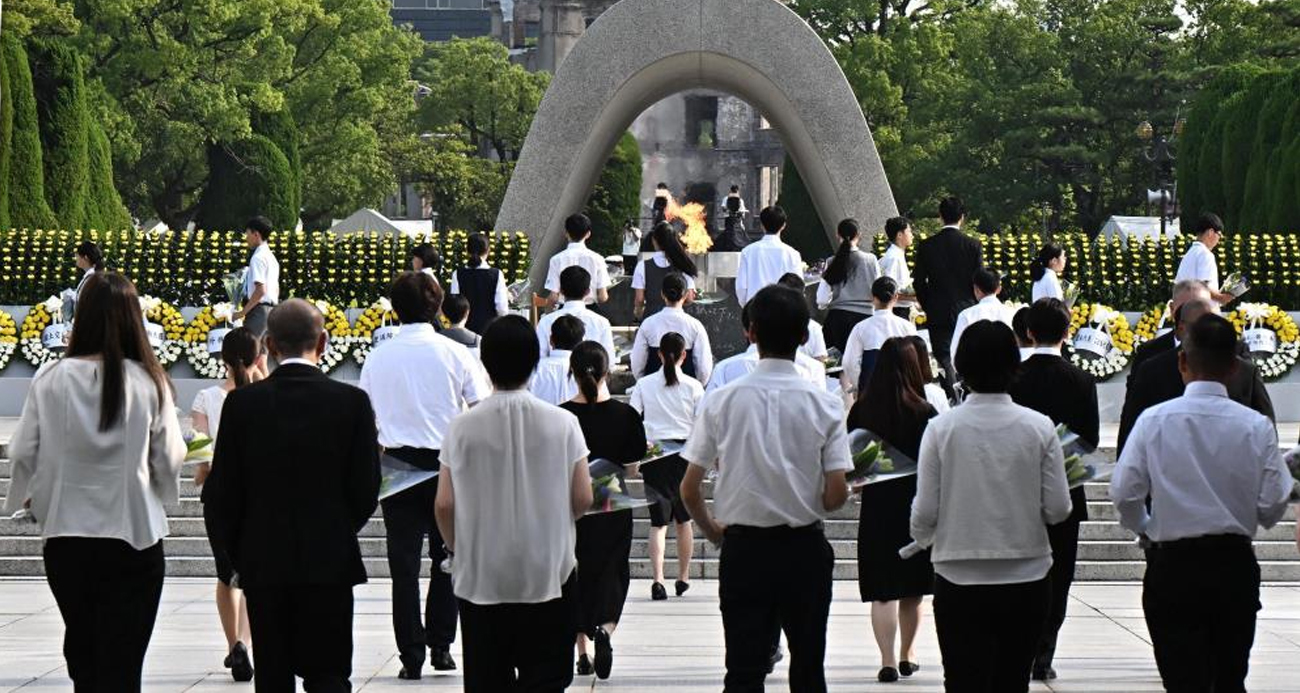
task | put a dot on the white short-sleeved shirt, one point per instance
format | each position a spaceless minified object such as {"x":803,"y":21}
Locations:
{"x":418,"y":382}
{"x":669,"y":411}
{"x":511,"y":460}
{"x":551,"y":382}
{"x":660,"y":260}
{"x":596,"y":327}
{"x":500,"y":297}
{"x":578,"y":254}
{"x":988,"y":308}
{"x":774,"y":436}
{"x":764,"y":262}
{"x":1199,"y":264}
{"x":263,"y":269}
{"x":736,"y":367}
{"x":1048,"y":287}
{"x":871,"y":334}
{"x":816,"y":344}
{"x":893,"y":264}
{"x":208,"y":403}
{"x":671,"y":319}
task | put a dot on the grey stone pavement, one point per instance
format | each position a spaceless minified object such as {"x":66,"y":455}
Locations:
{"x":661,"y":646}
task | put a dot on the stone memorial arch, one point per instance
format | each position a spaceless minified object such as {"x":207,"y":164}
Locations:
{"x":640,"y":51}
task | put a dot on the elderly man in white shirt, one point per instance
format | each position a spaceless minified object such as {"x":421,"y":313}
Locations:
{"x":575,"y":283}
{"x":781,"y":451}
{"x":418,"y":382}
{"x":987,"y":307}
{"x":553,"y":381}
{"x":578,"y":228}
{"x":764,"y":262}
{"x":261,"y":279}
{"x":1213,"y":472}
{"x":1199,"y":263}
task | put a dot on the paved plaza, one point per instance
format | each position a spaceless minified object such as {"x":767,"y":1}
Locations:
{"x":662,"y":646}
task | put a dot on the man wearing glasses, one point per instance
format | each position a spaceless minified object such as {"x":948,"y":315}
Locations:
{"x":1199,"y":263}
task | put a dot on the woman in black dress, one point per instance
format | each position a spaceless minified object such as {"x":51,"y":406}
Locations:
{"x":894,"y":408}
{"x":613,"y":431}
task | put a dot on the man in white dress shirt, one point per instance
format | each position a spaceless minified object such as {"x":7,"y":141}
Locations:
{"x":553,"y":382}
{"x":815,"y":345}
{"x":575,"y":283}
{"x":734,"y":368}
{"x":781,"y":451}
{"x":418,"y":382}
{"x":261,"y":279}
{"x":893,"y":263}
{"x":988,"y":305}
{"x":764,"y":262}
{"x":1199,"y":263}
{"x":1213,"y":472}
{"x":578,"y":228}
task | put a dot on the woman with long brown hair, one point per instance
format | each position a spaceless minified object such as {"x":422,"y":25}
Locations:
{"x":96,"y":456}
{"x":245,"y":361}
{"x":894,"y":407}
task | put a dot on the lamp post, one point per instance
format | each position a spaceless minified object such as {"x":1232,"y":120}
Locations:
{"x":1161,"y":154}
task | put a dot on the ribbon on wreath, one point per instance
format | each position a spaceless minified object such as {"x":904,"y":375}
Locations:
{"x":1258,"y":336}
{"x":385,"y":331}
{"x":1095,"y":337}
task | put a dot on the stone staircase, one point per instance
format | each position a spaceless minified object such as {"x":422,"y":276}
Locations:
{"x":1106,"y":551}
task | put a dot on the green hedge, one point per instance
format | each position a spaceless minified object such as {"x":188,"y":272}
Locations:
{"x":185,"y":268}
{"x":1138,"y":275}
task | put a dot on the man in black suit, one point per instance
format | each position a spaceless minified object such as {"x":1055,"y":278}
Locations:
{"x":1056,"y":388}
{"x":945,"y":267}
{"x":1184,"y":291}
{"x":1158,"y":379}
{"x":294,"y":479}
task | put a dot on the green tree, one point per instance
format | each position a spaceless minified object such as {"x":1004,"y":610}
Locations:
{"x":1257,"y":203}
{"x":805,"y":230}
{"x":280,"y":129}
{"x":249,"y":177}
{"x":26,"y":184}
{"x":104,"y":208}
{"x":616,"y":197}
{"x":61,"y":107}
{"x":1241,"y":122}
{"x":1199,"y":186}
{"x":6,"y":142}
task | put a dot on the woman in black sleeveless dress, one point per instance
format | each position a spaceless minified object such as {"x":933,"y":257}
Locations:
{"x":894,"y":408}
{"x":483,"y":286}
{"x":613,"y":431}
{"x":648,"y":279}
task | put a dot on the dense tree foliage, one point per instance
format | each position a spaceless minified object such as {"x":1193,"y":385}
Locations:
{"x":616,"y":198}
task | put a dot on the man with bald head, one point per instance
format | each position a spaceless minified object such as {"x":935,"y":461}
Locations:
{"x":294,"y":479}
{"x":1157,"y":379}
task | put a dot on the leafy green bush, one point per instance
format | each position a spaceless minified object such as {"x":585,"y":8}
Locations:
{"x":26,"y":183}
{"x":616,"y":197}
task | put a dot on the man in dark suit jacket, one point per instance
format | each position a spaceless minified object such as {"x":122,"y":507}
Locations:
{"x":945,"y":265}
{"x":1066,"y":394}
{"x":294,"y":479}
{"x":1158,"y":379}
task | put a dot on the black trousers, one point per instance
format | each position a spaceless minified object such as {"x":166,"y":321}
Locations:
{"x":408,"y":519}
{"x":988,"y":634}
{"x":1200,"y":603}
{"x":520,"y":648}
{"x":1065,"y":553}
{"x":108,"y":595}
{"x":255,"y":321}
{"x":770,"y":579}
{"x":301,"y":630}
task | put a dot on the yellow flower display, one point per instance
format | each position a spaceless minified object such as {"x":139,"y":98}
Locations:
{"x":38,"y":318}
{"x":8,"y":338}
{"x":1151,"y":324}
{"x":1114,"y":324}
{"x":379,"y":314}
{"x":1275,"y":364}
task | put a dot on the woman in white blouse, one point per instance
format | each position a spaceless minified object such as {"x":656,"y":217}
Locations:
{"x":667,"y":399}
{"x":991,"y":479}
{"x":89,"y":259}
{"x":1045,"y":270}
{"x":869,"y":335}
{"x":241,"y":351}
{"x":96,"y":455}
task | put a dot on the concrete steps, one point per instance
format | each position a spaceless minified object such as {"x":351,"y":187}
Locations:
{"x":1107,"y":552}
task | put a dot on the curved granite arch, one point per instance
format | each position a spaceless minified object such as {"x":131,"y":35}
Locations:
{"x":640,"y":51}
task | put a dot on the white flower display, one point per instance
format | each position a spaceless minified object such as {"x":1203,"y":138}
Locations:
{"x":223,"y":311}
{"x":53,"y":305}
{"x":1110,"y":340}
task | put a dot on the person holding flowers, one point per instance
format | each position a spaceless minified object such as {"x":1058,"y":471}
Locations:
{"x":578,"y":229}
{"x":646,"y":358}
{"x":261,"y":290}
{"x":613,"y":431}
{"x":868,"y":336}
{"x":1199,"y":262}
{"x":553,"y":381}
{"x":245,"y":361}
{"x":669,"y":257}
{"x":89,"y":259}
{"x":893,"y":263}
{"x":483,"y":286}
{"x":893,"y":407}
{"x":987,"y":286}
{"x":1045,"y":270}
{"x":845,"y":288}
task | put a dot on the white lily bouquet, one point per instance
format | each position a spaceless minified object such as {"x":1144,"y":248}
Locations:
{"x":521,"y":295}
{"x":1235,"y":284}
{"x":1070,"y":292}
{"x":233,"y":283}
{"x":1082,"y":464}
{"x":875,"y":460}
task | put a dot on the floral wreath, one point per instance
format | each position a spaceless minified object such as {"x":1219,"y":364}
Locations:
{"x":205,"y":363}
{"x":379,"y":314}
{"x":1152,"y":324}
{"x":38,"y":318}
{"x":341,"y":341}
{"x":8,"y":338}
{"x":1113,"y":328}
{"x":1249,"y":318}
{"x":170,"y":319}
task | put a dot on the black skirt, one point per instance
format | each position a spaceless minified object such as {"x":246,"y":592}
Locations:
{"x":663,"y":488}
{"x":839,"y":325}
{"x":604,"y":549}
{"x":884,"y":528}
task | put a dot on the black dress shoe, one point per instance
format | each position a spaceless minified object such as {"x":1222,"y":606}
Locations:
{"x":411,"y":673}
{"x":681,"y":587}
{"x":887,"y":675}
{"x":604,"y":662}
{"x":441,"y":659}
{"x":1043,"y":674}
{"x":657,"y":592}
{"x":584,"y":666}
{"x":906,"y":668}
{"x":241,"y":669}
